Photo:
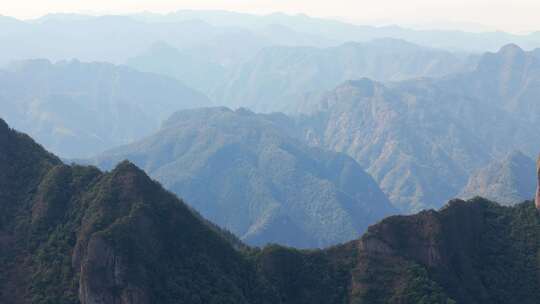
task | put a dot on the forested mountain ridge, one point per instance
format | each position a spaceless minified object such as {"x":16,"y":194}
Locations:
{"x":246,"y":173}
{"x":421,"y":139}
{"x":78,"y":109}
{"x":72,"y":234}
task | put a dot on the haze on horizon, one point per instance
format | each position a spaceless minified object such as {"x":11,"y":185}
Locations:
{"x":517,"y":16}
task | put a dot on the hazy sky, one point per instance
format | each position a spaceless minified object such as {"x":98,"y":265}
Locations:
{"x":509,"y":15}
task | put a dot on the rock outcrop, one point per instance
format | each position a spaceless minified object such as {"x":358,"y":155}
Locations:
{"x":104,"y":277}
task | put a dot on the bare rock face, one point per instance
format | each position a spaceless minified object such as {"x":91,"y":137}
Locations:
{"x":537,"y":198}
{"x":104,"y":277}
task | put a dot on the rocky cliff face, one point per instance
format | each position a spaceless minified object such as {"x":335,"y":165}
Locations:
{"x":104,"y":277}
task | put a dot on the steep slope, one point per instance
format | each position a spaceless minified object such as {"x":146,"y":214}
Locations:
{"x":468,"y":252}
{"x":509,"y":181}
{"x":277,"y":78}
{"x":421,"y":139}
{"x":78,"y":109}
{"x":73,"y":234}
{"x":244,"y":172}
{"x":418,"y":152}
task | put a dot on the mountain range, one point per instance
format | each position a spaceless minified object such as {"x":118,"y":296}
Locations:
{"x":421,"y":139}
{"x":224,"y":37}
{"x":74,"y":234}
{"x":276,"y":78}
{"x":340,"y":32}
{"x":78,"y":109}
{"x":220,"y":157}
{"x":114,"y":39}
{"x":509,"y":180}
{"x":244,"y":172}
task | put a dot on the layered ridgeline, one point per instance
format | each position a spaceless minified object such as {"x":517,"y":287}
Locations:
{"x":480,"y":40}
{"x":244,"y":172}
{"x":509,"y":180}
{"x":421,"y":139}
{"x":79,"y":109}
{"x":72,"y":234}
{"x":227,"y":37}
{"x":114,"y":38}
{"x":277,"y":78}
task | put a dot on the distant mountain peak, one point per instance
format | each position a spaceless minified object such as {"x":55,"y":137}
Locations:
{"x":509,"y":62}
{"x":511,"y":49}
